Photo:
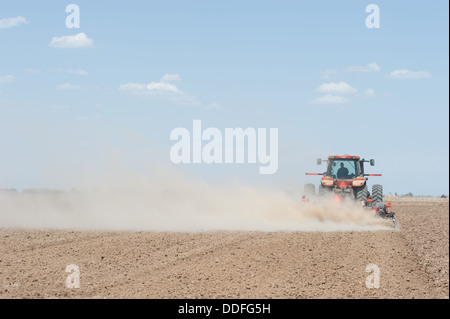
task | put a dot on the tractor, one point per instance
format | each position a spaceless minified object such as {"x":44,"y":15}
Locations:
{"x":345,"y":177}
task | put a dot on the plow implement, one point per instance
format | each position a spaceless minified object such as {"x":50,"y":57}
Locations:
{"x":383,"y":211}
{"x":380,"y":209}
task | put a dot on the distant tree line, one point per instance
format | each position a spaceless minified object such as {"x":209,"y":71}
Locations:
{"x":33,"y":191}
{"x":412,"y":195}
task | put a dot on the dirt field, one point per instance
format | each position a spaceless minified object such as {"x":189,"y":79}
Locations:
{"x":413,"y":262}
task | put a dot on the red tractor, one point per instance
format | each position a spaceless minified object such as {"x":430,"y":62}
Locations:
{"x":345,"y":177}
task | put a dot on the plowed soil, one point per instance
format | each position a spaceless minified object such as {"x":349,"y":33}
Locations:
{"x":413,"y":261}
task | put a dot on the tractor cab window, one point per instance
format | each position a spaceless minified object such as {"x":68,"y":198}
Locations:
{"x":342,"y":169}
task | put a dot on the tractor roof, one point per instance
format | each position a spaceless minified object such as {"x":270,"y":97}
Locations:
{"x":343,"y":157}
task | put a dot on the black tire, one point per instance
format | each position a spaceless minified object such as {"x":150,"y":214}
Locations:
{"x":361,"y":193}
{"x":322,"y":190}
{"x":377,"y":193}
{"x":309,"y":190}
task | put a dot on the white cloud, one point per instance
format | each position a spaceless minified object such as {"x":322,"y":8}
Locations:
{"x":11,"y":22}
{"x":79,"y":40}
{"x":170,"y":78}
{"x":336,"y":88}
{"x":153,"y":88}
{"x":407,"y":74}
{"x":134,"y":88}
{"x":371,"y":67}
{"x":214,"y":106}
{"x":7,"y":79}
{"x":330,"y":99}
{"x":33,"y":71}
{"x":74,"y":87}
{"x":369,"y":93}
{"x":328,"y":73}
{"x":162,"y":90}
{"x":77,"y":72}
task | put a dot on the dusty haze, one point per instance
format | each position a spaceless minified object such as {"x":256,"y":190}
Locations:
{"x":167,"y":201}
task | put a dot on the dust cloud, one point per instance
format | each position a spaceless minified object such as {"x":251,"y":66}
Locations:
{"x":169,"y":201}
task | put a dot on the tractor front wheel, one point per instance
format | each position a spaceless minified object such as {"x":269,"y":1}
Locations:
{"x":323,"y":190}
{"x":362,"y":193}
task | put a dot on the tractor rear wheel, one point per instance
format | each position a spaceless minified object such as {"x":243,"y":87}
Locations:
{"x":362,"y":193}
{"x":377,"y":193}
{"x":309,"y":190}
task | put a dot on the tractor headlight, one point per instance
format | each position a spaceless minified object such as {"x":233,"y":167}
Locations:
{"x":358,"y":182}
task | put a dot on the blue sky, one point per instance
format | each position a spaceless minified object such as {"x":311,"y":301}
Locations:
{"x":312,"y":69}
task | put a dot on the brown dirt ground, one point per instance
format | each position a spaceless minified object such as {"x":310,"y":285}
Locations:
{"x":413,"y":262}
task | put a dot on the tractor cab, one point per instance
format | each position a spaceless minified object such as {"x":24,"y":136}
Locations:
{"x":345,"y":175}
{"x":343,"y":168}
